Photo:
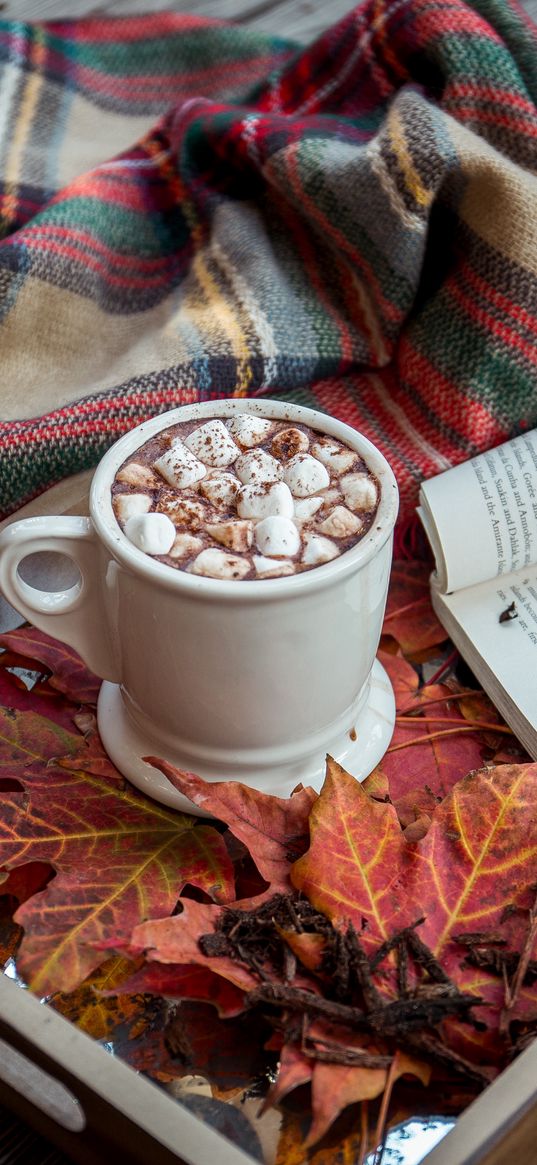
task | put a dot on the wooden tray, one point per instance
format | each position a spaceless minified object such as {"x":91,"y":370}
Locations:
{"x":97,"y":1109}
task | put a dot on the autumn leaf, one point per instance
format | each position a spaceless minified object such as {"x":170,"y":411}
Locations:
{"x":479,"y":854}
{"x":175,"y":940}
{"x":409,"y":617}
{"x":27,"y":739}
{"x":25,"y":881}
{"x":69,"y":674}
{"x":274,"y":829}
{"x":118,"y":858}
{"x":177,"y":981}
{"x":101,"y":1003}
{"x":440,"y":760}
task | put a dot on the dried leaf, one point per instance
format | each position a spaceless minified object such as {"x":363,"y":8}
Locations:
{"x":177,"y":981}
{"x":69,"y":674}
{"x":175,"y":940}
{"x":440,"y":761}
{"x":409,"y":617}
{"x":274,"y":829}
{"x":118,"y":859}
{"x":480,"y":853}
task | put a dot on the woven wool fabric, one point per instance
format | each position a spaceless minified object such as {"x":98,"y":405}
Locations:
{"x":190,"y":210}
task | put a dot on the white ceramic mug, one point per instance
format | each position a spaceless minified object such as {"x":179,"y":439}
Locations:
{"x":254,"y":680}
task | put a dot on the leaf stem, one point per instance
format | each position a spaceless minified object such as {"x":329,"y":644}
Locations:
{"x":444,"y":699}
{"x":429,"y":736}
{"x":380,"y":1131}
{"x":477,"y":724}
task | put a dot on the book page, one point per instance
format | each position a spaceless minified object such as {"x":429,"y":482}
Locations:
{"x":494,"y":625}
{"x":481,"y":517}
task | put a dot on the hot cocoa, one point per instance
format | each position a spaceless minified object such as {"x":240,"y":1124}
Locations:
{"x":244,"y":497}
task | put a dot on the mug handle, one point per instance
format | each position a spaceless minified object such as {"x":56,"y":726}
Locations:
{"x":75,"y":615}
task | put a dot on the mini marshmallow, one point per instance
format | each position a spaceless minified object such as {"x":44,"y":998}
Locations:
{"x":360,"y":491}
{"x":185,"y":545}
{"x":258,"y":467}
{"x":213,"y":444}
{"x":305,"y":475}
{"x":288,"y":442}
{"x":235,"y":535}
{"x":184,"y":510}
{"x":214,"y":563}
{"x":220,"y":488}
{"x":317,"y":550}
{"x":272,"y":567}
{"x":333,"y":455}
{"x":178,"y":466}
{"x":330,"y":497}
{"x":249,"y":430}
{"x":152,"y":533}
{"x":277,"y":536}
{"x":261,"y":501}
{"x":341,"y":523}
{"x":305,"y":508}
{"x":135,"y":474}
{"x":127,"y":505}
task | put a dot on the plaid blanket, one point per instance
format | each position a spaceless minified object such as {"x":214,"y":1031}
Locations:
{"x":191,"y":210}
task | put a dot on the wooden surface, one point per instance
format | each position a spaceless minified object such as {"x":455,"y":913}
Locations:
{"x":301,"y":20}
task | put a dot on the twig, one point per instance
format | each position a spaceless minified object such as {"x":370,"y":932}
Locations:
{"x":364,"y":1132}
{"x":380,"y":1131}
{"x":453,"y":655}
{"x":513,"y":987}
{"x":445,"y":699}
{"x":296,"y":999}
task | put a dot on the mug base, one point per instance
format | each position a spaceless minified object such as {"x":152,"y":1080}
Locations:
{"x":358,"y":750}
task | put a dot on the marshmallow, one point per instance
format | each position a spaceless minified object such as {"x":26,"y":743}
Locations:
{"x":213,"y":444}
{"x":272,"y":567}
{"x":258,"y":466}
{"x":277,"y":536}
{"x":235,"y":535}
{"x":305,"y":475}
{"x":127,"y":505}
{"x":333,"y":455}
{"x":186,"y":545}
{"x":140,"y":475}
{"x":340,"y":523}
{"x":178,"y":466}
{"x":214,"y":563}
{"x":330,"y":497}
{"x":249,"y":430}
{"x":318,"y":550}
{"x":306,"y":507}
{"x":184,"y":510}
{"x":220,"y":488}
{"x":260,"y":501}
{"x":360,"y":491}
{"x":152,"y":533}
{"x":288,"y":442}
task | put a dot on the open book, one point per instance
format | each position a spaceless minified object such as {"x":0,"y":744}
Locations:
{"x":481,"y":521}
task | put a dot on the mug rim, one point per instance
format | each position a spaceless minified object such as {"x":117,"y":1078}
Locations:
{"x":351,"y":561}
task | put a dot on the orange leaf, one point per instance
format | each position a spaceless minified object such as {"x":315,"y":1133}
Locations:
{"x":479,"y":854}
{"x":69,"y":674}
{"x":274,"y":829}
{"x":409,"y":614}
{"x":117,"y":856}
